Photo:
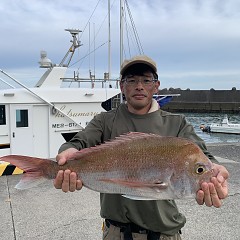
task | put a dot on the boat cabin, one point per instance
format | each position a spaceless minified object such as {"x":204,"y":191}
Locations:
{"x":36,"y":121}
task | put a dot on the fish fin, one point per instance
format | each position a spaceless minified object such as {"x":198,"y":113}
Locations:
{"x":116,"y":142}
{"x":158,"y":185}
{"x":139,"y":198}
{"x":34,"y":169}
{"x":26,"y":182}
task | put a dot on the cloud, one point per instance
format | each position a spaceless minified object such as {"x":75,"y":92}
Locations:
{"x":189,"y":38}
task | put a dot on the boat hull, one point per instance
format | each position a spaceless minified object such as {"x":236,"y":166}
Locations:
{"x":227,"y":130}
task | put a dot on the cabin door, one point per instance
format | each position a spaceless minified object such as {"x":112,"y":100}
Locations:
{"x":21,"y":130}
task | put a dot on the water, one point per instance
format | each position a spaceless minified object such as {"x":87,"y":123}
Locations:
{"x":196,"y":119}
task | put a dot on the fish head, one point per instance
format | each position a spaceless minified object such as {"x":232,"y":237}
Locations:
{"x":198,"y":169}
{"x":188,"y":176}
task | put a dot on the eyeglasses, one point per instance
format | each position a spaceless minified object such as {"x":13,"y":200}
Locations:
{"x":133,"y":82}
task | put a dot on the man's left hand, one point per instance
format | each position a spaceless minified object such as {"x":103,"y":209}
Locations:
{"x":213,"y":192}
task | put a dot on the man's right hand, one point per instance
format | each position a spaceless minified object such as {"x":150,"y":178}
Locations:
{"x":67,"y":180}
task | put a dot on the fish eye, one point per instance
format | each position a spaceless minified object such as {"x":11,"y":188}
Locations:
{"x":200,"y":169}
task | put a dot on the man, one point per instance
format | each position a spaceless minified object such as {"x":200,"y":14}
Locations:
{"x":125,"y":218}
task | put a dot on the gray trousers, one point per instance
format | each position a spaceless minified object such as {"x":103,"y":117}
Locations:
{"x":113,"y":233}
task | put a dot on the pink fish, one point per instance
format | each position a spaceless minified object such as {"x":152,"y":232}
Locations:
{"x":136,"y":165}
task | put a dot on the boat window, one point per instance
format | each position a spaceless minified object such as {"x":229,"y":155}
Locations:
{"x":2,"y":115}
{"x":21,"y":118}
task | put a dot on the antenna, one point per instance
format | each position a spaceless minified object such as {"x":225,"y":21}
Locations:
{"x":74,"y":33}
{"x":75,"y":44}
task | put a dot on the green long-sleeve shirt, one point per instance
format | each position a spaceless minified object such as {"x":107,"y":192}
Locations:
{"x":159,"y":216}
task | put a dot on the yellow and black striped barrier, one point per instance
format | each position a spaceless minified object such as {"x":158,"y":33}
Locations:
{"x":9,"y":169}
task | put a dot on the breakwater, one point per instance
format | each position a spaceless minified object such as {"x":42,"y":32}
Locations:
{"x":203,"y":101}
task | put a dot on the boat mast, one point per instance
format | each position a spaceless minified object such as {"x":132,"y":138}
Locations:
{"x":109,"y":40}
{"x":121,"y":31}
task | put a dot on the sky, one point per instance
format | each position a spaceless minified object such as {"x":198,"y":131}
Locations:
{"x":195,"y":43}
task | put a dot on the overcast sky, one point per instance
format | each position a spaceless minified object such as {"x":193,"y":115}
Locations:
{"x":196,"y":43}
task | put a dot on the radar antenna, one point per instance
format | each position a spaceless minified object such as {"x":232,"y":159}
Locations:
{"x":75,"y":44}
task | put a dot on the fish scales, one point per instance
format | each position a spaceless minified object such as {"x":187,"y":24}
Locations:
{"x":111,"y":155}
{"x":136,"y":164}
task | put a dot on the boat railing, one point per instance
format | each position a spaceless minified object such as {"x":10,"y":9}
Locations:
{"x":96,"y":82}
{"x":5,"y":84}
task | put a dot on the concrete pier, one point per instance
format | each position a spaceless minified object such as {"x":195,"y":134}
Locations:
{"x":43,"y":213}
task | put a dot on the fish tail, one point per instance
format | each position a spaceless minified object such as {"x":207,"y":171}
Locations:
{"x":34,"y":169}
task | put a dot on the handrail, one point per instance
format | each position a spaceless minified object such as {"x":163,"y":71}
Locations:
{"x":7,"y":83}
{"x":41,"y":98}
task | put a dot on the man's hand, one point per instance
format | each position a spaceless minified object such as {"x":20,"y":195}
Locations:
{"x":67,"y":180}
{"x":211,"y":193}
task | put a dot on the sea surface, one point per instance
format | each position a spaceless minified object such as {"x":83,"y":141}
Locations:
{"x":196,"y":119}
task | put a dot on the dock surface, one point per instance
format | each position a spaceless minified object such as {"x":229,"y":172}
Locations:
{"x":43,"y":212}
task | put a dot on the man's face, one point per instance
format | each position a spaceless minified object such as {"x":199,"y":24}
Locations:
{"x":138,"y":91}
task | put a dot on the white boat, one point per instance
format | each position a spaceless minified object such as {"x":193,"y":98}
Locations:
{"x":223,"y":127}
{"x":36,"y":121}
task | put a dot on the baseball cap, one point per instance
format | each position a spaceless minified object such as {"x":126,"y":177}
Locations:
{"x":143,"y":59}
